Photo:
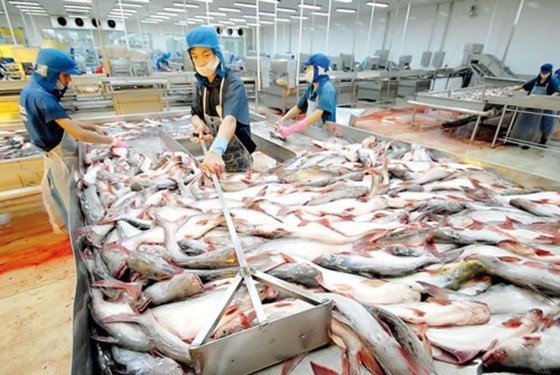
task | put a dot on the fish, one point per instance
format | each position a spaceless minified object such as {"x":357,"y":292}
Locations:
{"x":180,"y":286}
{"x":93,"y":209}
{"x":438,"y":313}
{"x":542,"y":276}
{"x":390,"y":355}
{"x":151,"y":266}
{"x":501,"y":299}
{"x":462,"y":344}
{"x":144,"y":363}
{"x":536,"y":352}
{"x":538,"y":209}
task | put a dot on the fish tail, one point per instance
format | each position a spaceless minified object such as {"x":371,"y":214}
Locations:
{"x":133,"y":289}
{"x":370,"y":363}
{"x":322,"y":370}
{"x":435,"y":291}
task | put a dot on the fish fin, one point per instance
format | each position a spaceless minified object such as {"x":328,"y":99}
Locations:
{"x":450,"y":255}
{"x":290,"y":365}
{"x":435,"y":291}
{"x":322,"y":370}
{"x":508,"y":224}
{"x":509,"y":259}
{"x":133,"y":289}
{"x":345,"y":364}
{"x":369,"y":361}
{"x":123,"y":318}
{"x":443,"y":302}
{"x":104,"y":339}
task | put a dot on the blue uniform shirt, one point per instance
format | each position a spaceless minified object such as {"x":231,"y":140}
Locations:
{"x":234,"y":103}
{"x":162,"y":62}
{"x":551,"y":85}
{"x":39,"y":108}
{"x":327,"y":100}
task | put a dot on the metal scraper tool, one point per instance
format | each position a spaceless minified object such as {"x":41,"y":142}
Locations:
{"x":269,"y":342}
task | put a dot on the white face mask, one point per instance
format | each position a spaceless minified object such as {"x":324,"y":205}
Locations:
{"x":309,"y":76}
{"x":59,"y":86}
{"x":208,"y":69}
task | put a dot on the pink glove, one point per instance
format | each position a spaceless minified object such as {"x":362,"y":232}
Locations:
{"x":117,"y":143}
{"x":286,"y":131}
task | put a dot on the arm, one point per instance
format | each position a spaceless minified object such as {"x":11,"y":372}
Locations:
{"x":213,"y":161}
{"x":314,"y":117}
{"x":82,"y":134}
{"x":293,"y":112}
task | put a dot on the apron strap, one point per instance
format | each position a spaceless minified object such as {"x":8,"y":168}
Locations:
{"x":204,"y":96}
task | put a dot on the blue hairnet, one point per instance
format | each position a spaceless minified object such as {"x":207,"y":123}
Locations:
{"x":166,"y":55}
{"x":319,"y":60}
{"x":557,"y":72}
{"x":205,"y":36}
{"x":546,"y":68}
{"x":50,"y":63}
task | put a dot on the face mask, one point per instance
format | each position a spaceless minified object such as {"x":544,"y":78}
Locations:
{"x":309,"y":76}
{"x":60,"y":88}
{"x":208,"y":69}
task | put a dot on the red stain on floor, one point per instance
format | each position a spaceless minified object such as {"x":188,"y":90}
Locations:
{"x":28,"y":240}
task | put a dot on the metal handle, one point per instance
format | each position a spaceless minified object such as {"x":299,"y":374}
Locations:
{"x":245,"y":270}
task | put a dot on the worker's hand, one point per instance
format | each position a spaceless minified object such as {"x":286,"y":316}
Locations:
{"x":202,"y":133}
{"x":117,"y":143}
{"x":213,"y":163}
{"x":286,"y":131}
{"x":279,"y":123}
{"x":100,"y":130}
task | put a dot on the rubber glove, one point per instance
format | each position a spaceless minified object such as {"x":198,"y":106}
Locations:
{"x":117,"y":143}
{"x":202,"y":133}
{"x":213,"y":163}
{"x":286,"y":131}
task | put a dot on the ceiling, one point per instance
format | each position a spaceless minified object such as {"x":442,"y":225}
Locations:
{"x":193,"y":12}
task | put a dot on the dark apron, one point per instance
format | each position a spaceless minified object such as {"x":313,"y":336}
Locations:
{"x":533,"y":126}
{"x":236,"y":158}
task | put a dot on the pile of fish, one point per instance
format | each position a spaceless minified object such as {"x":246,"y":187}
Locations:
{"x":15,"y":144}
{"x":476,"y":94}
{"x":427,"y":261}
{"x":176,"y":127}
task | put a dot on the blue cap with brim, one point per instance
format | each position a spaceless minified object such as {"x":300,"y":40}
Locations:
{"x":50,"y":63}
{"x":206,"y":36}
{"x":546,"y":68}
{"x":318,"y":60}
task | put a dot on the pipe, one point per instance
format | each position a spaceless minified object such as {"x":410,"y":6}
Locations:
{"x":312,"y":33}
{"x":370,"y":28}
{"x":299,"y":46}
{"x":492,"y":18}
{"x":433,"y":28}
{"x":9,"y":23}
{"x":258,"y":81}
{"x":19,"y":193}
{"x":328,"y":29}
{"x":517,"y":16}
{"x":355,"y":32}
{"x":124,"y":25}
{"x":106,"y":61}
{"x":25,"y":27}
{"x":275,"y":28}
{"x":452,"y":109}
{"x":444,"y":37}
{"x":405,"y":27}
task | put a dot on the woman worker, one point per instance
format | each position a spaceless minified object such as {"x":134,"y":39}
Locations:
{"x":48,"y":126}
{"x":318,"y":100}
{"x":221,"y":108}
{"x":163,"y":63}
{"x":529,"y":125}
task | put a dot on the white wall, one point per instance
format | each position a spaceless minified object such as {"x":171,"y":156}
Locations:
{"x":532,"y":45}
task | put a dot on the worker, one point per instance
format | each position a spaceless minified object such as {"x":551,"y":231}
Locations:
{"x":48,"y":127}
{"x":557,"y":75}
{"x":163,"y":63}
{"x":318,"y":100}
{"x":220,"y":111}
{"x":531,"y":121}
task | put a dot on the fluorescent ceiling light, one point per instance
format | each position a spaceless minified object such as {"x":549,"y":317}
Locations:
{"x":376,"y":4}
{"x":285,"y":10}
{"x":76,"y":7}
{"x":322,"y":14}
{"x":346,"y":10}
{"x":79,"y":1}
{"x":38,"y":14}
{"x":343,"y":1}
{"x":128,"y":11}
{"x":127,"y":5}
{"x":205,"y":1}
{"x":23,"y":3}
{"x":29,"y":7}
{"x":140,"y":1}
{"x":226,"y":9}
{"x":228,"y":23}
{"x":298,"y":17}
{"x":252,"y":24}
{"x":160,"y":17}
{"x":238,"y":20}
{"x":250,"y":17}
{"x":166,"y":14}
{"x":268,"y":14}
{"x":175,"y":10}
{"x":245,"y":5}
{"x":219,"y":14}
{"x":149,"y":21}
{"x":204,"y":17}
{"x":282,"y":20}
{"x":266,"y":22}
{"x":307,"y":6}
{"x":181,"y":5}
{"x":269,"y":1}
{"x":78,"y":11}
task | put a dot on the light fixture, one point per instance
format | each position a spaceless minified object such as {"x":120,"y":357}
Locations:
{"x":140,"y":1}
{"x":29,"y":7}
{"x":204,"y":17}
{"x":149,"y":21}
{"x":299,"y":18}
{"x":245,"y":5}
{"x":205,"y":1}
{"x":282,"y":20}
{"x":127,"y":5}
{"x":238,"y":20}
{"x":228,"y":23}
{"x":181,"y":5}
{"x":218,"y":14}
{"x":253,"y":24}
{"x":24,"y":3}
{"x":322,"y":14}
{"x":38,"y":14}
{"x":226,"y":9}
{"x":175,"y":10}
{"x":78,"y":10}
{"x":76,"y":7}
{"x":270,"y":1}
{"x":376,"y":4}
{"x":78,"y":1}
{"x":343,"y":1}
{"x":124,"y":11}
{"x":160,"y":17}
{"x":346,"y":10}
{"x":266,"y":22}
{"x":307,"y":6}
{"x":285,"y":10}
{"x":250,"y":17}
{"x":268,"y":14}
{"x":166,"y":14}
